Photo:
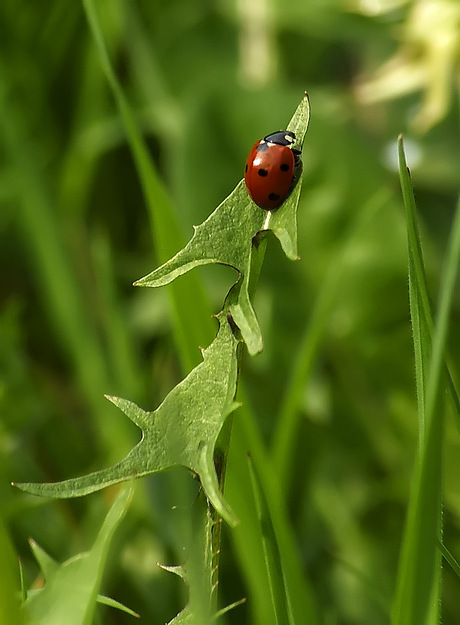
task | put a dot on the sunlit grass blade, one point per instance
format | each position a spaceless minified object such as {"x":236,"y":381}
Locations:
{"x":418,"y":584}
{"x":191,"y":311}
{"x":421,"y":312}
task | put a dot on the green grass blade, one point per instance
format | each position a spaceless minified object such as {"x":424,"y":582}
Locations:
{"x":117,"y":605}
{"x":450,"y":559}
{"x":417,"y":592}
{"x":191,"y":311}
{"x":271,"y":551}
{"x":247,"y":536}
{"x":285,"y":434}
{"x":418,"y":281}
{"x":71,"y":590}
{"x":52,"y":265}
{"x":413,"y":234}
{"x":9,"y":574}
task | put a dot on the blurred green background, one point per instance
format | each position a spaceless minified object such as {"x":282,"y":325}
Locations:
{"x":206,"y":80}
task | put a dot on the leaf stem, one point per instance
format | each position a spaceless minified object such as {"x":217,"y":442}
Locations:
{"x":259,"y":246}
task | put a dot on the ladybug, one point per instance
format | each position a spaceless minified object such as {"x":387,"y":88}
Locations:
{"x":272,"y":169}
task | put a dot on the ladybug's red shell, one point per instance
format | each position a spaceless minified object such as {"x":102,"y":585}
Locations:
{"x":270,"y":170}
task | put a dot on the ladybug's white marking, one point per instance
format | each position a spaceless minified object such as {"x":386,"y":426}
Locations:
{"x":256,"y":161}
{"x":289,"y":139}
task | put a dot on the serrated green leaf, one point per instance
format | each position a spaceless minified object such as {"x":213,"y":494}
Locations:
{"x":183,"y":618}
{"x":174,"y":569}
{"x":226,"y":238}
{"x":184,"y":428}
{"x":186,"y":617}
{"x":182,"y":431}
{"x":48,"y":565}
{"x":71,"y":589}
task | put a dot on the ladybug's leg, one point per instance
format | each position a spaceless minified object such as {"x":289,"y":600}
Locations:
{"x":298,"y":167}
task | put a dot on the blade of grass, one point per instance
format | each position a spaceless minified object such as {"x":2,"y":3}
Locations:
{"x":191,"y":311}
{"x":419,"y":569}
{"x":247,"y":537}
{"x":450,"y":559}
{"x":121,"y":351}
{"x":270,"y":549}
{"x":417,"y":270}
{"x":9,"y":596}
{"x":71,"y":590}
{"x":287,"y":421}
{"x":53,"y":267}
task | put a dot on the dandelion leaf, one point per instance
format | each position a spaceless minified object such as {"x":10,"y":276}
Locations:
{"x":182,"y":431}
{"x":226,"y":238}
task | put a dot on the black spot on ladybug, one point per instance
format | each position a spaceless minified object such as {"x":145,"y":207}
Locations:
{"x":273,"y":197}
{"x":246,"y":168}
{"x":284,"y":167}
{"x":262,"y":147}
{"x":262,"y":172}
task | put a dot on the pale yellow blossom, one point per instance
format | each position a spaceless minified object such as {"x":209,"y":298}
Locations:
{"x":428,"y":60}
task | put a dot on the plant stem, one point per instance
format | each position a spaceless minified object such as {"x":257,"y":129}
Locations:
{"x":259,"y":247}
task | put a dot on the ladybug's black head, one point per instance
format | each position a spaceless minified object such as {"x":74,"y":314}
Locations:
{"x":281,"y":137}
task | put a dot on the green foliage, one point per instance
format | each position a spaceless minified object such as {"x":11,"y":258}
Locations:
{"x":9,"y":602}
{"x":278,"y":593}
{"x":121,"y":125}
{"x":71,"y":589}
{"x":227,"y":238}
{"x":182,"y":431}
{"x":419,"y":584}
{"x":165,"y":226}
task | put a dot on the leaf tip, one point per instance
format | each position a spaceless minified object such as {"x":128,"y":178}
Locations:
{"x":116,"y":401}
{"x":141,"y":281}
{"x":176,"y":570}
